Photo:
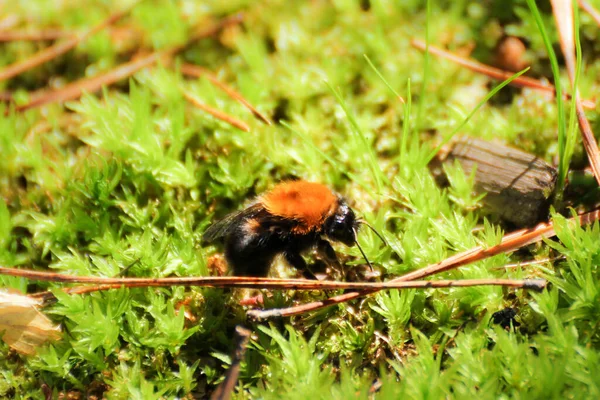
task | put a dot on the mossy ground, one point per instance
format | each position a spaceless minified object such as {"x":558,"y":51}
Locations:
{"x":131,"y":177}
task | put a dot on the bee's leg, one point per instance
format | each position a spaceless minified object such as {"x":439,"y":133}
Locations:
{"x":330,"y":258}
{"x":295,"y":260}
{"x":327,"y":253}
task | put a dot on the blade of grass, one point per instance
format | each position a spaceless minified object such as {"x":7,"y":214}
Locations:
{"x":572,"y":127}
{"x":383,"y":79}
{"x":376,"y":171}
{"x":477,"y":107}
{"x":426,"y":70}
{"x":562,"y":126}
{"x":563,"y":15}
{"x":325,"y":156}
{"x":406,"y":107}
{"x":405,"y":124}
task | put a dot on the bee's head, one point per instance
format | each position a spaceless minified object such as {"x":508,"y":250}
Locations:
{"x":341,"y":226}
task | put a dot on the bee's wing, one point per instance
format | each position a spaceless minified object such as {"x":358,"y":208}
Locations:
{"x":228,"y":224}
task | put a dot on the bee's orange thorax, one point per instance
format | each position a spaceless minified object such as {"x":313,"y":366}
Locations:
{"x":306,"y":202}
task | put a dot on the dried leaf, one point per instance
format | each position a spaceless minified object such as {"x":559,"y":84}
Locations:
{"x":25,"y":327}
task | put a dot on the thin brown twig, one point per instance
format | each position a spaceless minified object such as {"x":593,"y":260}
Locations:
{"x":225,"y":389}
{"x":496,"y":73}
{"x":563,"y":15}
{"x":264,"y":283}
{"x":75,"y":89}
{"x":196,"y":71}
{"x":48,"y":295}
{"x":9,"y":21}
{"x":33,"y":35}
{"x":512,"y":241}
{"x":589,"y":141}
{"x":590,"y":10}
{"x":528,"y":263}
{"x":241,"y":125}
{"x":56,"y":50}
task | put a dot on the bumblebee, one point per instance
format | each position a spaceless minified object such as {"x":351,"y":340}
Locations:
{"x":290,"y":219}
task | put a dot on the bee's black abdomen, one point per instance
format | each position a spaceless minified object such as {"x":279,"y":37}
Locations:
{"x":250,"y":254}
{"x":251,"y":248}
{"x":248,"y":261}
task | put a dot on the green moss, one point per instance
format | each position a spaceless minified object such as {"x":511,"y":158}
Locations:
{"x":126,"y":182}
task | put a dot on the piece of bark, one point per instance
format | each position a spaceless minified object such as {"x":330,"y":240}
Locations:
{"x":519,"y":185}
{"x":22,"y":326}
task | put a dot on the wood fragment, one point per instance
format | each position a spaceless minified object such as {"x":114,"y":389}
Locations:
{"x":518,"y":185}
{"x":23,"y":327}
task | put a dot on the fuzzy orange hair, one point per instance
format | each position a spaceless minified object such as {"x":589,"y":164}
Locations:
{"x":308,"y":203}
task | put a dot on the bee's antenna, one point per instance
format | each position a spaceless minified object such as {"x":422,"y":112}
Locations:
{"x":361,"y":250}
{"x":363,"y":222}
